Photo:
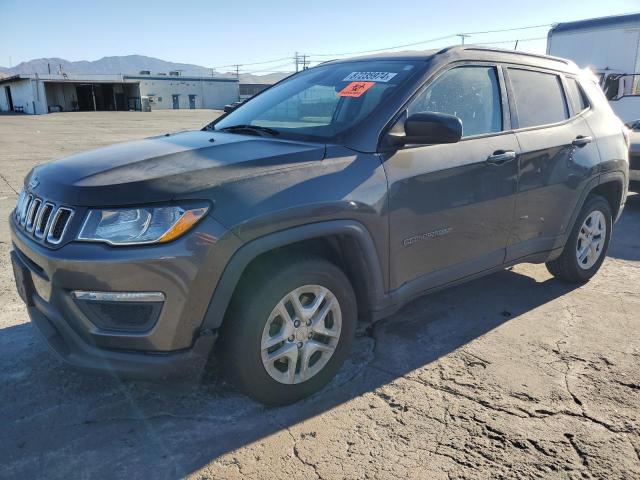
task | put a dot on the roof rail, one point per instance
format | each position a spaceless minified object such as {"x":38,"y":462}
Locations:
{"x":446,"y":49}
{"x":502,"y":50}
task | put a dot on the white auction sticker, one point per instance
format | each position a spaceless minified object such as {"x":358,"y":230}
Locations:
{"x":382,"y":77}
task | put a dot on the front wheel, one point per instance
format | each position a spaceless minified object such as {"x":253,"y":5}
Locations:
{"x":587,"y":245}
{"x":289,"y":329}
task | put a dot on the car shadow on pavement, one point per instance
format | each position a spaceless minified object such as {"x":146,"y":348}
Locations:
{"x":626,"y":232}
{"x":69,"y":424}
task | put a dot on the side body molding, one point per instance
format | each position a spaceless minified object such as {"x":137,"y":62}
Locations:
{"x":368,"y":261}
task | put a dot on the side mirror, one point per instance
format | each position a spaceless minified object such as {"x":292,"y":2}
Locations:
{"x":428,"y":128}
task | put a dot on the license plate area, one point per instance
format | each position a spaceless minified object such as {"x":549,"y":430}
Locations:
{"x":24,"y":283}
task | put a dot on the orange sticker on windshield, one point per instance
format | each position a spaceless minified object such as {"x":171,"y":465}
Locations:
{"x":355,"y":89}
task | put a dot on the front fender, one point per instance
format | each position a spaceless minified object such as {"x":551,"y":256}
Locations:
{"x":228,"y":282}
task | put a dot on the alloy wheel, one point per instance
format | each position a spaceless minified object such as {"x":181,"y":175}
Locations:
{"x":301,"y":334}
{"x":591,"y":239}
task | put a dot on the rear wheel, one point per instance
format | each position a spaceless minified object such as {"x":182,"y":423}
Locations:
{"x":289,"y":329}
{"x":587,"y":245}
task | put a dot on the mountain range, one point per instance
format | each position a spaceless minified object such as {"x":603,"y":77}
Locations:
{"x":130,"y":64}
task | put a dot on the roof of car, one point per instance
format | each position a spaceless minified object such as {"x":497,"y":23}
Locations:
{"x":473,"y":52}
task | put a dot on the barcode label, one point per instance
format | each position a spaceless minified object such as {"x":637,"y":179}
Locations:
{"x":382,"y":77}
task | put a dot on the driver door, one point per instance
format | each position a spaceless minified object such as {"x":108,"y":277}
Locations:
{"x":452,"y":205}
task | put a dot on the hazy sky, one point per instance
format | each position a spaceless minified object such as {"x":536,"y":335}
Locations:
{"x":216,"y":33}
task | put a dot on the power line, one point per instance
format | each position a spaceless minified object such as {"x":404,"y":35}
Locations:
{"x":510,"y":29}
{"x":512,"y":41}
{"x":270,"y":69}
{"x":461,"y":35}
{"x":305,"y":60}
{"x":252,"y":63}
{"x":381,"y":49}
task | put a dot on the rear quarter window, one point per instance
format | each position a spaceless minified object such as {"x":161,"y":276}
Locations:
{"x":539,"y":98}
{"x":576,"y":95}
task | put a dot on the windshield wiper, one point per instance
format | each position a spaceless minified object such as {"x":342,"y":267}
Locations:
{"x":251,"y":128}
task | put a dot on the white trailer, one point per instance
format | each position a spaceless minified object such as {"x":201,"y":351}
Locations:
{"x":610,"y":47}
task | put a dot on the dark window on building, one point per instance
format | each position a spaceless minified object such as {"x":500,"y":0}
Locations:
{"x":576,"y":95}
{"x":539,"y":97}
{"x":470,"y":93}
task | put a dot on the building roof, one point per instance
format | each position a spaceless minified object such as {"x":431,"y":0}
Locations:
{"x":180,"y":77}
{"x":107,"y":78}
{"x":11,"y":78}
{"x":611,"y":21}
{"x":67,"y":77}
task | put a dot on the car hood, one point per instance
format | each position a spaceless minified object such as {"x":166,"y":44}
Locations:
{"x":165,"y":168}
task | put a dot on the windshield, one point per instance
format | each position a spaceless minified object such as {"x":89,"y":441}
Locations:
{"x":321,"y":103}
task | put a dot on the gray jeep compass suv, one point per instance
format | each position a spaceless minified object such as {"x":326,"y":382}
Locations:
{"x":338,"y":194}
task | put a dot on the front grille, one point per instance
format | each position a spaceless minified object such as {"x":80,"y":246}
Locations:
{"x":42,"y":219}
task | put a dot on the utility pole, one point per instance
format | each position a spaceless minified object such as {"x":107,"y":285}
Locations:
{"x":238,"y":72}
{"x":295,"y":58}
{"x":462,"y":37}
{"x":305,"y":62}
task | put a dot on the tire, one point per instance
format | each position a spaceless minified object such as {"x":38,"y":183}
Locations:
{"x":260,"y":299}
{"x":568,"y":266}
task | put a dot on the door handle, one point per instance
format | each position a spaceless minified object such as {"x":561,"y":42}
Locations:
{"x":500,"y":157}
{"x":581,"y":141}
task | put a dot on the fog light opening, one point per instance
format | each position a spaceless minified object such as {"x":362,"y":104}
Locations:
{"x":120,"y":311}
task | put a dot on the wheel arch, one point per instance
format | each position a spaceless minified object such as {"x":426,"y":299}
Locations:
{"x":346,"y":243}
{"x":609,"y":185}
{"x":612,"y":187}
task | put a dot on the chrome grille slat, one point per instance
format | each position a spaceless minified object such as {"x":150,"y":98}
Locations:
{"x":42,"y":219}
{"x":25,"y":209}
{"x":34,"y":209}
{"x":21,"y":201}
{"x":57,"y":229}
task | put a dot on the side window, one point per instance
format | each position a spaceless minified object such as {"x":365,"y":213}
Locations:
{"x":576,"y":95}
{"x":539,"y":97}
{"x":470,"y":93}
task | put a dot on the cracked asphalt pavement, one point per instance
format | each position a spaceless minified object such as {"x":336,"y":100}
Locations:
{"x":515,"y":375}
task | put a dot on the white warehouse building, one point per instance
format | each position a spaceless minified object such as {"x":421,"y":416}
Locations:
{"x":37,"y":94}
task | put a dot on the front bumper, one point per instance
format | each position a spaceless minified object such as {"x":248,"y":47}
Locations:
{"x":71,"y":348}
{"x":182,"y":270}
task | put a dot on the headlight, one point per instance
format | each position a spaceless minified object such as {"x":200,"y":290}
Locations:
{"x":134,"y":226}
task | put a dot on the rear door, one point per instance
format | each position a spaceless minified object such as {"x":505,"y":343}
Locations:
{"x":451,"y":205}
{"x":558,"y":156}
